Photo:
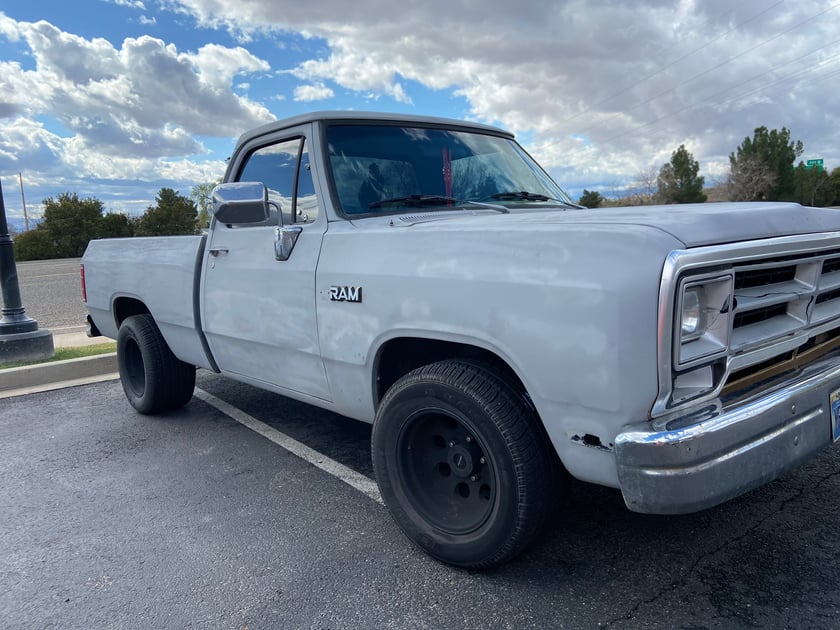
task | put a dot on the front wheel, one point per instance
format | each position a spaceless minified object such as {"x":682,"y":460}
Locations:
{"x":153,"y":379}
{"x":462,"y":464}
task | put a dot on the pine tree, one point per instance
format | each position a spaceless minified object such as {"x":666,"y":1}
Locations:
{"x":678,"y":180}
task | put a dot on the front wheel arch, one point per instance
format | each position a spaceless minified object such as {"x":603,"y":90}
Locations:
{"x":398,"y":356}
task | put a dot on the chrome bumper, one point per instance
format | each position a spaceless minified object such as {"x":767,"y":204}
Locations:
{"x":692,"y":462}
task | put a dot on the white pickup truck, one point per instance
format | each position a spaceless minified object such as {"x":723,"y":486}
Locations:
{"x":428,"y":276}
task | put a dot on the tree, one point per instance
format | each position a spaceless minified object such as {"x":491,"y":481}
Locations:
{"x":647,"y":184}
{"x":114,"y":225}
{"x":70,"y":223}
{"x":591,"y":199}
{"x":678,"y":180}
{"x":750,"y":179}
{"x":768,"y":157}
{"x":172,"y":214}
{"x":833,"y":187}
{"x":34,"y":245}
{"x":202,"y":196}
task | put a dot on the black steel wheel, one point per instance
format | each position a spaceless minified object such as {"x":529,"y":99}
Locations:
{"x":462,"y":464}
{"x":153,"y":379}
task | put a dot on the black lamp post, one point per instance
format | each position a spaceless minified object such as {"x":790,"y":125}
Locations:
{"x":20,"y":338}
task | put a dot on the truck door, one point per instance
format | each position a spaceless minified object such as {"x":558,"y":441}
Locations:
{"x":259,"y":312}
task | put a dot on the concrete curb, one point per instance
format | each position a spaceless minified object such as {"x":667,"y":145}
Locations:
{"x":58,"y":374}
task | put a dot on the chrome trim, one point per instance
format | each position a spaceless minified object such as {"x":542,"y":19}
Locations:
{"x":720,"y":259}
{"x":710,"y":454}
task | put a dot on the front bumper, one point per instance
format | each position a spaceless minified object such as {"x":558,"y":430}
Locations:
{"x":695,"y":461}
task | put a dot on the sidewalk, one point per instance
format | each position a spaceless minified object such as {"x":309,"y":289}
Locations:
{"x":59,"y":374}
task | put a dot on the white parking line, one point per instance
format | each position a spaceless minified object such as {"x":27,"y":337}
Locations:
{"x":360,"y":482}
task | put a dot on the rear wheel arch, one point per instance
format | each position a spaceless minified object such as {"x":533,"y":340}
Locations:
{"x":124,"y":307}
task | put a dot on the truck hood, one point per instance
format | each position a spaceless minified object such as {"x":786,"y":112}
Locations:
{"x":692,"y":224}
{"x":718,"y":223}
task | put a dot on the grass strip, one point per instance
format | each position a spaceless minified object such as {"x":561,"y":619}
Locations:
{"x":62,"y":354}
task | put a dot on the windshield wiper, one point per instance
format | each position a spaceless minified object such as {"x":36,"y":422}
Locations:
{"x":522,"y":195}
{"x":433,"y":200}
{"x":414,"y":200}
{"x":519,"y":195}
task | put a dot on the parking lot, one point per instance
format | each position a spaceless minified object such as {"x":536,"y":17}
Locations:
{"x":112,"y":519}
{"x":204,"y":519}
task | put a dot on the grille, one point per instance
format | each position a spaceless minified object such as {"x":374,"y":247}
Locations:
{"x":778,"y":299}
{"x":784,"y":313}
{"x":764,"y":277}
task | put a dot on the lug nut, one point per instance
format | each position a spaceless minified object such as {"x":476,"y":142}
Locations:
{"x":474,"y":477}
{"x":482,"y":460}
{"x":452,"y":443}
{"x":469,"y":439}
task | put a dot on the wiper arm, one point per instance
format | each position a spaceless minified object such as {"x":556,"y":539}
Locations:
{"x":522,"y":195}
{"x":491,"y":206}
{"x":433,"y":200}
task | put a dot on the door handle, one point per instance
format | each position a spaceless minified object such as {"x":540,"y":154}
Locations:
{"x":219,"y":251}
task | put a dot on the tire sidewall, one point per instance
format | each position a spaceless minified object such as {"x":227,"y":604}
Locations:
{"x":128,"y":333}
{"x":395,"y":415}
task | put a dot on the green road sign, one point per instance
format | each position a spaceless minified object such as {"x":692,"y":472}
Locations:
{"x":814,"y":164}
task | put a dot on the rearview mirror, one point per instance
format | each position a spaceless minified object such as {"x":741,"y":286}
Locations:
{"x":240,"y":202}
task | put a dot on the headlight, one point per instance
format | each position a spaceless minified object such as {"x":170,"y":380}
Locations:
{"x":692,"y":314}
{"x":703,"y":319}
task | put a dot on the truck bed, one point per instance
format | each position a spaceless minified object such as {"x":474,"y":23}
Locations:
{"x":136,"y":266}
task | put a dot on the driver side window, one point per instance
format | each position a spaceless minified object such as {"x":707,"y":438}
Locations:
{"x":284,"y":169}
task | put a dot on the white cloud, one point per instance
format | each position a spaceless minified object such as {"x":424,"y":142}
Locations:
{"x":317,"y":92}
{"x":117,"y":113}
{"x":218,"y":65}
{"x":133,"y":4}
{"x":636,"y":78}
{"x":47,"y":159}
{"x":147,"y":20}
{"x":145,"y":99}
{"x":9,"y":28}
{"x":601,"y":90}
{"x":25,"y":143}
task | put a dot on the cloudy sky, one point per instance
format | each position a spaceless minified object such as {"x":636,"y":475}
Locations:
{"x":117,"y":98}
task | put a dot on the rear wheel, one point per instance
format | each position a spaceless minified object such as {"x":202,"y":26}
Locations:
{"x":153,"y":379}
{"x":462,"y":463}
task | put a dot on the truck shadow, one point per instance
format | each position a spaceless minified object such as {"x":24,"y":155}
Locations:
{"x":754,"y":561}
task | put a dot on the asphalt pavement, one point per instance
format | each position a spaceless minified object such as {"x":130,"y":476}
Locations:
{"x":202,"y":519}
{"x":51,"y":293}
{"x":109,"y":519}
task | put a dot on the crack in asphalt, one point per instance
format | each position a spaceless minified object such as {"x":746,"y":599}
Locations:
{"x":631,"y":613}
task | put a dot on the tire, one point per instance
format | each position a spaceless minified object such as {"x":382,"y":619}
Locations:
{"x":153,"y":379}
{"x":462,"y":464}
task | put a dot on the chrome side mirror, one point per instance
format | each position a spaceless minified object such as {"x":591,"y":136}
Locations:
{"x":238,"y":203}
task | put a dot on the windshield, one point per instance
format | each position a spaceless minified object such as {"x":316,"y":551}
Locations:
{"x":378,"y":169}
